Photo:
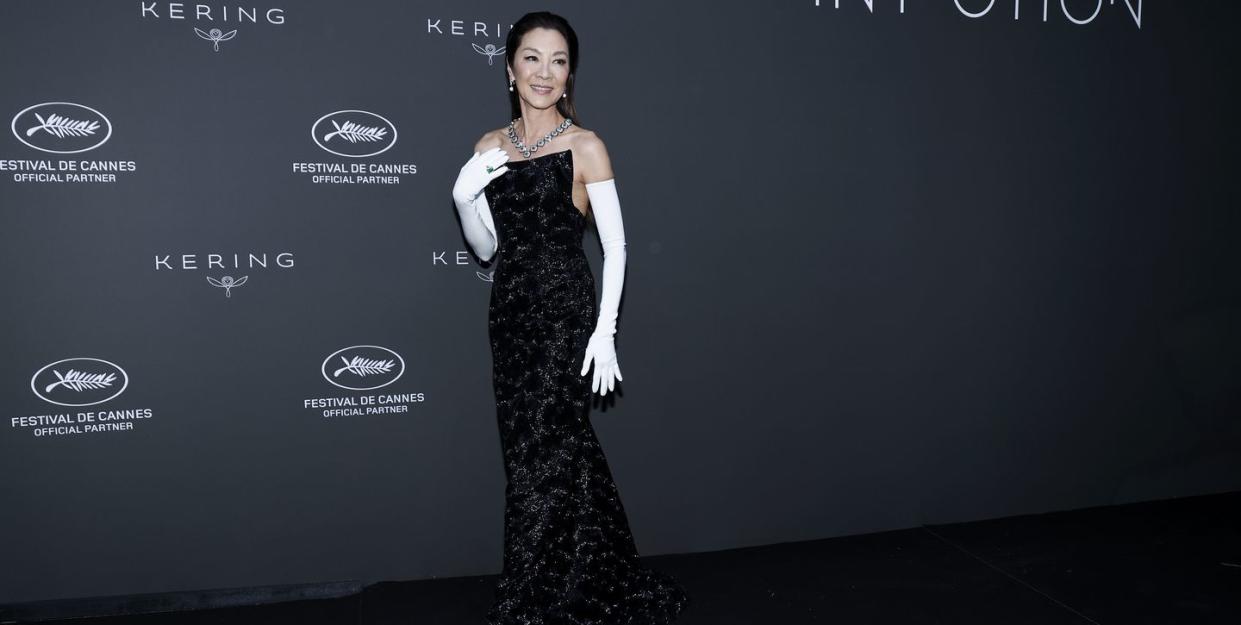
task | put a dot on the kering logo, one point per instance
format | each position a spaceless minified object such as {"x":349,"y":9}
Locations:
{"x":79,"y":382}
{"x":490,"y":51}
{"x":457,"y":28}
{"x":223,"y":14}
{"x":215,"y":36}
{"x":61,"y":127}
{"x":227,"y":283}
{"x":473,"y":30}
{"x":461,"y":258}
{"x":191,"y":262}
{"x":354,"y":133}
{"x":362,"y":367}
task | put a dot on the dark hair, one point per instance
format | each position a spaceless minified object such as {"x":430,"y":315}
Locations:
{"x":528,"y":22}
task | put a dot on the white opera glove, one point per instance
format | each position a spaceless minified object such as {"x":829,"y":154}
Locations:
{"x":601,"y":348}
{"x":467,"y":194}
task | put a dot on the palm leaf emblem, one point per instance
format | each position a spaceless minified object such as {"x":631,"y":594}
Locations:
{"x":363,"y":367}
{"x":62,"y":127}
{"x":354,"y":133}
{"x":80,"y":380}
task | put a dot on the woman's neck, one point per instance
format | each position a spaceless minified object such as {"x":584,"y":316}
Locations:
{"x":535,"y":124}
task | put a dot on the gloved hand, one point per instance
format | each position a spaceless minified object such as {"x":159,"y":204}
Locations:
{"x":471,"y":202}
{"x":601,"y":348}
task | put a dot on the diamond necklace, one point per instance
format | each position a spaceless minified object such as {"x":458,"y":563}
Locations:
{"x":521,"y":147}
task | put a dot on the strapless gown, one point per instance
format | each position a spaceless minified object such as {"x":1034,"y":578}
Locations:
{"x":569,"y":556}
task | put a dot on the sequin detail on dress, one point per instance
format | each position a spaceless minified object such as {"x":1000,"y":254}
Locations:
{"x":569,"y":556}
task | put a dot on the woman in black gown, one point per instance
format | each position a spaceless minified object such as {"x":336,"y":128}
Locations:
{"x":569,"y":556}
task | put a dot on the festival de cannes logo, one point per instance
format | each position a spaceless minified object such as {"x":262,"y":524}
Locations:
{"x":61,"y":127}
{"x":354,"y":133}
{"x":363,"y":367}
{"x":490,"y":51}
{"x":79,"y":382}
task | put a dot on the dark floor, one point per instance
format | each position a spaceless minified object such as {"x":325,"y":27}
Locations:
{"x":1175,"y":562}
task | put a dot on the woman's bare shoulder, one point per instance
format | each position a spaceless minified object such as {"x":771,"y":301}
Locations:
{"x":591,"y":155}
{"x":490,"y":139}
{"x":585,"y":140}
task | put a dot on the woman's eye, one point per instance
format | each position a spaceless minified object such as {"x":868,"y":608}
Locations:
{"x":535,"y":58}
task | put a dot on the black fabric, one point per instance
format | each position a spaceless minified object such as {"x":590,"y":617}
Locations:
{"x":569,"y":556}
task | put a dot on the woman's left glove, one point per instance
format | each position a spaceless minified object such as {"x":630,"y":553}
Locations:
{"x":601,"y":348}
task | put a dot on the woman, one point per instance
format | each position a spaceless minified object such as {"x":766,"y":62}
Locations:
{"x":569,"y":556}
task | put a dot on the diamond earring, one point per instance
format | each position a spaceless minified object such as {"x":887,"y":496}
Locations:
{"x":510,"y":84}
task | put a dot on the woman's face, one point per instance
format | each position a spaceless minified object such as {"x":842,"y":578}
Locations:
{"x":540,"y":67}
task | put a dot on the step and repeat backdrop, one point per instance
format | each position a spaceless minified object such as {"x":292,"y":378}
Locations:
{"x":890,"y":263}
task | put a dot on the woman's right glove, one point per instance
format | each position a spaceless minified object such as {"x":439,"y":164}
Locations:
{"x":467,"y":194}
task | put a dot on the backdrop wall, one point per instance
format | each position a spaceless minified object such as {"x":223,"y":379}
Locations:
{"x":890,"y":263}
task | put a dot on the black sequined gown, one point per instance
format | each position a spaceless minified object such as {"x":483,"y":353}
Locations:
{"x":569,"y":557}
